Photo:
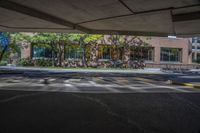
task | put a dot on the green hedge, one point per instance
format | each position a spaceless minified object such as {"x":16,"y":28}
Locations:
{"x":3,"y":63}
{"x":36,"y":62}
{"x":43,"y":62}
{"x":25,"y":62}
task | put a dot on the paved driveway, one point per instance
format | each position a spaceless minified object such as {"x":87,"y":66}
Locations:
{"x":96,"y":104}
{"x":80,"y":84}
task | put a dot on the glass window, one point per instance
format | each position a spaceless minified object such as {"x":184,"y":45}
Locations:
{"x":194,"y":39}
{"x":198,"y":56}
{"x":73,"y":52}
{"x":193,"y":56}
{"x":104,"y":52}
{"x":40,"y":52}
{"x":171,"y":54}
{"x":148,"y":54}
{"x":145,"y":53}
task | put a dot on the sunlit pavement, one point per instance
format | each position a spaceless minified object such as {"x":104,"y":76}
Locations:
{"x":80,"y":84}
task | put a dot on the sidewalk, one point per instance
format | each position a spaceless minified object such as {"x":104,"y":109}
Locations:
{"x":81,"y":70}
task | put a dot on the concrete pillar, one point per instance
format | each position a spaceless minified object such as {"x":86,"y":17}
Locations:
{"x":190,"y":58}
{"x":157,"y":54}
{"x":26,"y":50}
{"x":126,"y":56}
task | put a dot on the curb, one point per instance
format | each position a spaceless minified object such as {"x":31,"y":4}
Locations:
{"x":185,"y":84}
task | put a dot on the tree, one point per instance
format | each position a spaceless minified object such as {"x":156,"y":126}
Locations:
{"x":15,"y":39}
{"x":126,"y":42}
{"x":55,"y":41}
{"x":87,"y":39}
{"x":4,"y":42}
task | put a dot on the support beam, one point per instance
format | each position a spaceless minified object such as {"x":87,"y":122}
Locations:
{"x":125,"y":5}
{"x":186,"y":16}
{"x":142,"y":12}
{"x":34,"y":13}
{"x":118,"y":32}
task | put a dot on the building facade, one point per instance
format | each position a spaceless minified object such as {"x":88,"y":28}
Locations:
{"x":171,"y":50}
{"x":161,"y":50}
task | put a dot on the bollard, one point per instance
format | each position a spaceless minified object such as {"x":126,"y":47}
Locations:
{"x":46,"y":81}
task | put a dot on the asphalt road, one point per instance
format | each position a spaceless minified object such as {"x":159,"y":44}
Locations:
{"x":130,"y":104}
{"x":44,"y":112}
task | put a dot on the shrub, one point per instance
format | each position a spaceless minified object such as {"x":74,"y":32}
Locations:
{"x":25,"y":62}
{"x":43,"y":62}
{"x":3,"y":63}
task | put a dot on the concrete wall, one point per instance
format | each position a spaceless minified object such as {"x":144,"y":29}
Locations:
{"x":182,"y":43}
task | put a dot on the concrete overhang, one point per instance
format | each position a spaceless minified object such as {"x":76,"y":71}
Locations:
{"x":133,"y":17}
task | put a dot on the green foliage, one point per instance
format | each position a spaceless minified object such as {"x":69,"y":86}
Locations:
{"x":15,"y":40}
{"x":3,"y":63}
{"x":36,"y":62}
{"x":25,"y":62}
{"x":43,"y":62}
{"x":122,"y":40}
{"x":50,"y":38}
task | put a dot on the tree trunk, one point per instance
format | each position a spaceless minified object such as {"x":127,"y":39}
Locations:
{"x":126,"y":56}
{"x":84,"y":56}
{"x":93,"y":55}
{"x":53,"y":55}
{"x":61,"y":54}
{"x":2,"y":53}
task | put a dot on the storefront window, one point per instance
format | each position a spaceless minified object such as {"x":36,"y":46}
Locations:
{"x":171,"y":55}
{"x":144,"y":53}
{"x":104,"y":53}
{"x":73,"y":52}
{"x":39,"y":52}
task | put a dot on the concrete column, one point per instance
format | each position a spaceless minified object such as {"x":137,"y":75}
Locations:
{"x":26,"y":50}
{"x":190,"y":58}
{"x":157,"y":54}
{"x":185,"y":56}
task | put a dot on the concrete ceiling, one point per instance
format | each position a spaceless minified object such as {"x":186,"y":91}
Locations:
{"x":135,"y":17}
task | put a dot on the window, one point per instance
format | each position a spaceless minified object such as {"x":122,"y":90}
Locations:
{"x":145,"y":53}
{"x":39,"y":52}
{"x":171,"y":54}
{"x":193,"y":47}
{"x":148,"y":54}
{"x":193,"y":54}
{"x":194,"y":39}
{"x":73,"y":52}
{"x":198,"y":56}
{"x":104,"y":52}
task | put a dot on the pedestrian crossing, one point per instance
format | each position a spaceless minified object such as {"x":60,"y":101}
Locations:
{"x":92,"y":85}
